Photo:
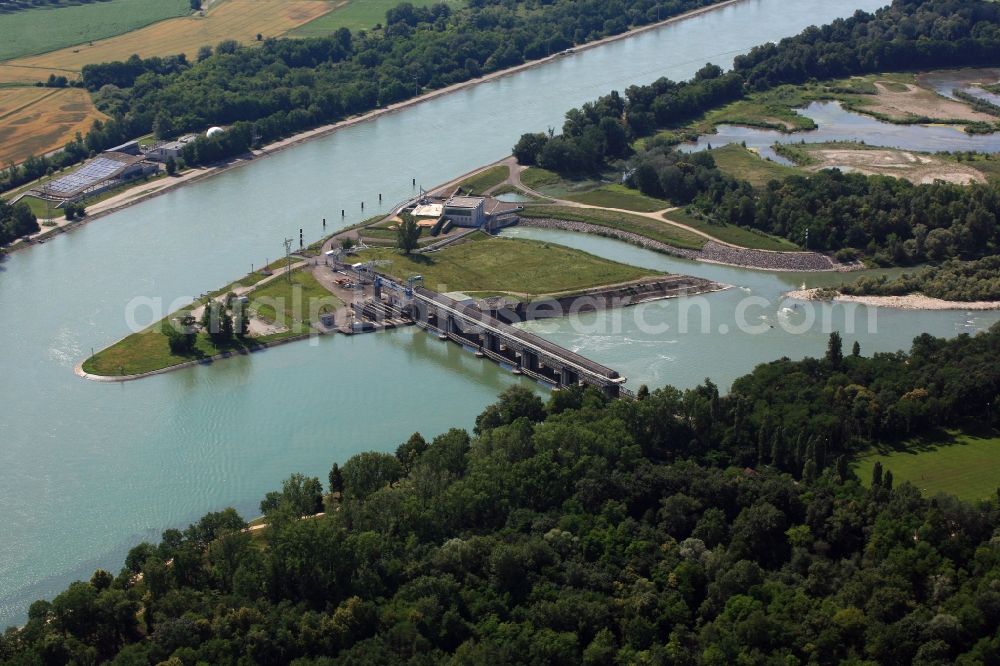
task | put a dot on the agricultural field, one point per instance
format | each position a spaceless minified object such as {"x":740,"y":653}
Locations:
{"x":34,"y":31}
{"x":744,"y":164}
{"x":13,"y":100}
{"x":34,"y":121}
{"x":358,"y":15}
{"x":508,"y":266}
{"x":963,"y":465}
{"x":241,"y":20}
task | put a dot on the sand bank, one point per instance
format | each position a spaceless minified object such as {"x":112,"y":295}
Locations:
{"x":908,"y":302}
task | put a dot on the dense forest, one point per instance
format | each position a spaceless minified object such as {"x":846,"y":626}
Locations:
{"x":679,"y":528}
{"x":285,"y":86}
{"x":15,"y":221}
{"x":952,"y":281}
{"x":889,"y":220}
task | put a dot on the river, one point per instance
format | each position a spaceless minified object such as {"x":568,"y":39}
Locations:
{"x":723,"y":334}
{"x":88,"y":469}
{"x":835,"y":123}
{"x":946,"y":82}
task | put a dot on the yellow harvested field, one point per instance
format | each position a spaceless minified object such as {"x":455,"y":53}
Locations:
{"x":241,"y":20}
{"x":34,"y":121}
{"x":10,"y":73}
{"x":13,"y":100}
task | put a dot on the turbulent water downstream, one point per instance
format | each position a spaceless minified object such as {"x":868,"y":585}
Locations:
{"x":87,"y":469}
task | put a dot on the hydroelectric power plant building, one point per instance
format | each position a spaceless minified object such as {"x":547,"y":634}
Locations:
{"x":469,"y":212}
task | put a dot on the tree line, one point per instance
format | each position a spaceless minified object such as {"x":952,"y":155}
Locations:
{"x":891,"y":221}
{"x":683,"y":527}
{"x":952,"y":281}
{"x":283,"y":86}
{"x":16,"y":221}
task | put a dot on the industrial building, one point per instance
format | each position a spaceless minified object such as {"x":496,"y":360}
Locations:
{"x":105,"y":171}
{"x":165,"y":150}
{"x":114,"y":167}
{"x":465,"y":211}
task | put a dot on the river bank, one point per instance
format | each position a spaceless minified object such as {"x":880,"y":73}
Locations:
{"x":907,"y":302}
{"x":130,"y":198}
{"x":713,"y":252}
{"x":208,"y":360}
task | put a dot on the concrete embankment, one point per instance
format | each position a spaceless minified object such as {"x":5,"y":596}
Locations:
{"x":712,"y":252}
{"x":607,"y":298}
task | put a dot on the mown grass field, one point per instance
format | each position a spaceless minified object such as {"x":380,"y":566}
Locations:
{"x":34,"y":121}
{"x":536,"y":177}
{"x":34,"y":31}
{"x":552,"y":184}
{"x":731,"y":233}
{"x":619,"y":196}
{"x":643,"y":226}
{"x":485,"y":180}
{"x":41,"y":209}
{"x":744,"y":164}
{"x":590,"y":191}
{"x":149,"y":350}
{"x":506,"y":265}
{"x":241,"y":20}
{"x":293,"y":305}
{"x":963,"y":465}
{"x":358,"y":15}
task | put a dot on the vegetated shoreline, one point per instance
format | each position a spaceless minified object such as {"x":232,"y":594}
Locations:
{"x":324,"y":130}
{"x":208,"y":360}
{"x":714,"y":252}
{"x":907,"y":302}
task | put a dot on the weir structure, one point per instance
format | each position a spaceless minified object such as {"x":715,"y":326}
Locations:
{"x":488,"y":331}
{"x":524,"y":352}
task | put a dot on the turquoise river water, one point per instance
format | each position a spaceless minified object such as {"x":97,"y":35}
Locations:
{"x":88,"y":469}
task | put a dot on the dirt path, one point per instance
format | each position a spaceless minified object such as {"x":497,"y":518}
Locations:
{"x":658,"y":215}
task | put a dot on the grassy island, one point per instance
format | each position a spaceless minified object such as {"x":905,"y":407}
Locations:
{"x":278,"y":309}
{"x":510,"y":266}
